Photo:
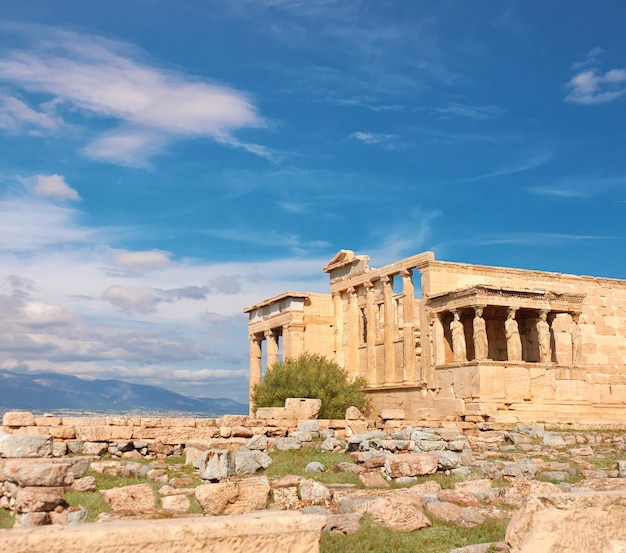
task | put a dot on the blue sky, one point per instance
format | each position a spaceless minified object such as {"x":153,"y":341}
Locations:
{"x":165,"y":164}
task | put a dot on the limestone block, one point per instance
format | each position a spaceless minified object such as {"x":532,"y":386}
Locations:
{"x":257,"y":442}
{"x":36,"y":472}
{"x":272,"y":413}
{"x":62,"y":432}
{"x":18,"y":418}
{"x":285,"y":444}
{"x":392,"y":414}
{"x":305,"y":408}
{"x":233,"y":496}
{"x":84,"y":484}
{"x":373,"y":479}
{"x":397,"y":516}
{"x":584,"y":521}
{"x":21,"y":445}
{"x":465,"y":517}
{"x":270,"y":532}
{"x":250,"y":461}
{"x":33,"y":499}
{"x":104,"y":433}
{"x":137,"y":498}
{"x":48,"y":421}
{"x":95,"y":448}
{"x":517,"y":383}
{"x":285,"y":498}
{"x":175,"y":503}
{"x":411,"y":464}
{"x":216,"y":465}
{"x":313,"y":491}
{"x":29,"y":520}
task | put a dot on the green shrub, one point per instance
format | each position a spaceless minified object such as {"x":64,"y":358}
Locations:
{"x":311,"y":376}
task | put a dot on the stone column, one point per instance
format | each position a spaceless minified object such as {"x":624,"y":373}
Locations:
{"x":338,"y":308}
{"x":439,"y":349}
{"x":370,"y":314}
{"x":408,"y":316}
{"x":355,"y":339}
{"x":293,"y":339}
{"x":577,"y":339}
{"x":256,"y":359}
{"x":481,"y":344}
{"x":390,"y":358}
{"x":459,"y":347}
{"x":271,"y":338}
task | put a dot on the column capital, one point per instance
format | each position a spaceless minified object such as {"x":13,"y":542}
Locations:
{"x":406,"y":273}
{"x":351,"y":291}
{"x":255,"y":338}
{"x":270,"y":334}
{"x":386,"y":279}
{"x":368,"y":285}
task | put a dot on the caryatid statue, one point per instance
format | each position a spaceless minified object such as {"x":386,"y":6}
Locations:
{"x":577,"y":339}
{"x":513,"y":340}
{"x":458,"y":338}
{"x":481,"y":345}
{"x":543,"y":337}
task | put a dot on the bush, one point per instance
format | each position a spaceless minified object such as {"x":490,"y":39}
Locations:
{"x":311,"y":376}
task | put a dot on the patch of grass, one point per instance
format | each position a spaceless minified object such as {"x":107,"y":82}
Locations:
{"x":500,"y":483}
{"x":441,"y":537}
{"x":446,"y":481}
{"x":94,"y":502}
{"x":294,"y":461}
{"x":6,"y":519}
{"x":606,"y":461}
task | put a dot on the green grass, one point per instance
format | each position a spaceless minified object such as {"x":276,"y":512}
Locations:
{"x":6,"y":519}
{"x":294,"y":462}
{"x":441,"y":537}
{"x":94,"y":502}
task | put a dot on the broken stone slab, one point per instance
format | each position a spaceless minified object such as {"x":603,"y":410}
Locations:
{"x":448,"y":460}
{"x":285,"y":444}
{"x":37,"y":472}
{"x":270,"y":532}
{"x":35,"y":499}
{"x":584,"y":521}
{"x":345,"y":524}
{"x":216,"y":465}
{"x":139,"y":497}
{"x":411,"y":464}
{"x":397,"y":516}
{"x":314,"y":491}
{"x":258,"y":442}
{"x":373,"y":479}
{"x":24,"y":445}
{"x":234,"y":497}
{"x":465,"y":517}
{"x":249,"y":462}
{"x":553,"y":440}
{"x":176,"y":503}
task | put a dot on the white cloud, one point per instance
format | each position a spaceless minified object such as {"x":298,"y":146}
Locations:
{"x":373,"y":138}
{"x":477,"y":113}
{"x":106,"y":78}
{"x":592,"y":85}
{"x":579,"y":187}
{"x":142,"y":300}
{"x":143,"y":261}
{"x":54,"y":186}
{"x":15,"y":115}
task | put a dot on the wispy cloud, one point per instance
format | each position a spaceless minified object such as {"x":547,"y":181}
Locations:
{"x":594,"y":86}
{"x":579,"y":187}
{"x":527,"y":165}
{"x":17,"y":116}
{"x":374,"y":138}
{"x":477,"y":113}
{"x":110,"y":79}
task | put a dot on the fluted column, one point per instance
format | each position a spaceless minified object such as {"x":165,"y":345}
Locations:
{"x":256,"y":359}
{"x":271,"y":338}
{"x":338,"y":308}
{"x":370,"y":314}
{"x":408,"y":316}
{"x":390,"y":358}
{"x":355,"y":339}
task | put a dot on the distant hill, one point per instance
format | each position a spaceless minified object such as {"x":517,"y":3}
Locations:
{"x":53,"y":392}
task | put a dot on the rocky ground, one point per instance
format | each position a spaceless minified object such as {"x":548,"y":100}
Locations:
{"x":406,"y":479}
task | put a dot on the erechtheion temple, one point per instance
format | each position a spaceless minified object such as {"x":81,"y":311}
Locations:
{"x":478,"y":343}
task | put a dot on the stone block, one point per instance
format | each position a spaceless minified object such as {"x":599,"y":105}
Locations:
{"x":411,"y":464}
{"x":176,"y":503}
{"x":305,"y":408}
{"x":397,"y":516}
{"x":18,"y":418}
{"x":137,"y":498}
{"x":36,"y":499}
{"x":36,"y":472}
{"x":216,"y":465}
{"x":234,"y":496}
{"x":271,"y":532}
{"x":585,"y":521}
{"x":392,"y":414}
{"x":22,"y":445}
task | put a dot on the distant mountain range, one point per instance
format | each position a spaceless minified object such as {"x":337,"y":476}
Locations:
{"x":55,"y":392}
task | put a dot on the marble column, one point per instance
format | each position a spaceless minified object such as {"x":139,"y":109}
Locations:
{"x":271,"y":337}
{"x":577,"y":339}
{"x":390,"y":358}
{"x":355,"y":339}
{"x":408,"y":316}
{"x":370,"y":314}
{"x":256,"y":359}
{"x":338,"y":308}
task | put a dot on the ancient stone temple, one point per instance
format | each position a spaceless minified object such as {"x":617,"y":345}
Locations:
{"x":454,"y":341}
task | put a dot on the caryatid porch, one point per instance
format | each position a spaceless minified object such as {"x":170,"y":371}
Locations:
{"x":522,"y":326}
